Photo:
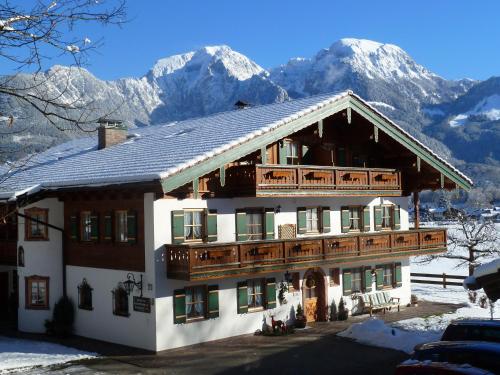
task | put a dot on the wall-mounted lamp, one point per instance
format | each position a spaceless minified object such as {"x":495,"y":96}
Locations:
{"x":131,"y":283}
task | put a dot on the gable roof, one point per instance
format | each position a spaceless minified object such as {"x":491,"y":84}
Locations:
{"x":175,"y":153}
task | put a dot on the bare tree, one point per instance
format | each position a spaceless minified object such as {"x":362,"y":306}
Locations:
{"x":31,"y":38}
{"x":471,"y":242}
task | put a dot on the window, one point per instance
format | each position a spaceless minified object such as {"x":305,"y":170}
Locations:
{"x":387,"y":217}
{"x":255,"y":293}
{"x":312,"y":219}
{"x":355,"y":219}
{"x":334,"y":276}
{"x":85,"y":296}
{"x":120,"y":301}
{"x":292,"y":153}
{"x":356,"y":280}
{"x":121,"y":226}
{"x":35,"y":229}
{"x":254,"y":225}
{"x":193,"y":225}
{"x":388,"y":275}
{"x":37,"y":292}
{"x":86,"y":225}
{"x":196,"y":302}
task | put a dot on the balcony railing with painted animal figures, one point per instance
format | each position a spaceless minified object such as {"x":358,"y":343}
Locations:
{"x":223,"y":260}
{"x":318,"y":180}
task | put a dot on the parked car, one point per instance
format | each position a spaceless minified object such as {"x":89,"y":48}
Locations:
{"x":480,"y":354}
{"x":473,"y":329}
{"x":412,"y":367}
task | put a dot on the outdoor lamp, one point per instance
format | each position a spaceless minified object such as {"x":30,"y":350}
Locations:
{"x":131,"y":283}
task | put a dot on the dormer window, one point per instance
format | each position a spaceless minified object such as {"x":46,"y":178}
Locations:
{"x":292,"y":153}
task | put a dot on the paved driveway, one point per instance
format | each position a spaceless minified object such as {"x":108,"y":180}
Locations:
{"x":316,"y":350}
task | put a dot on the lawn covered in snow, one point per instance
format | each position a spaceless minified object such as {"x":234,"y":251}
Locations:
{"x":18,"y":353}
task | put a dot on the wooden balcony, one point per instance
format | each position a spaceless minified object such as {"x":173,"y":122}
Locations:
{"x":223,"y":260}
{"x":286,"y":180}
{"x":8,"y":252}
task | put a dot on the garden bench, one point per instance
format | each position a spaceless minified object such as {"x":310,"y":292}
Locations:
{"x":378,"y":301}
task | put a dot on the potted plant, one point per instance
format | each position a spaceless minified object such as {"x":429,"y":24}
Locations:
{"x":300,"y":319}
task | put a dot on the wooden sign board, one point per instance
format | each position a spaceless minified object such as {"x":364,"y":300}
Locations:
{"x":142,"y":304}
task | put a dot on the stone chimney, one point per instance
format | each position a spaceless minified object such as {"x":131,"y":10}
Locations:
{"x":110,"y":132}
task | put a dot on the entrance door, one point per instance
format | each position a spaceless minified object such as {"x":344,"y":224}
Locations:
{"x":314,"y":295}
{"x":4,"y":295}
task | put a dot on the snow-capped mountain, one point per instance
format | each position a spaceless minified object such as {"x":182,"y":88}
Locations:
{"x":213,"y":78}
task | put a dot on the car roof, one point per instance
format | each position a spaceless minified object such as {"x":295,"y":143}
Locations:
{"x":461,"y":345}
{"x":477,"y":322}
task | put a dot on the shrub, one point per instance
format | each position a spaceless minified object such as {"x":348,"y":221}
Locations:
{"x":334,"y":314}
{"x":299,"y":310}
{"x":343,"y":311}
{"x":62,"y":319}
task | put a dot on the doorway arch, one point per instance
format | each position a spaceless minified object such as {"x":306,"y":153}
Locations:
{"x":314,"y":295}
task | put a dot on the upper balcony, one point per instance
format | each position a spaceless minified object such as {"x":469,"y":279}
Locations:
{"x":293,"y":180}
{"x":223,"y":260}
{"x":8,"y":252}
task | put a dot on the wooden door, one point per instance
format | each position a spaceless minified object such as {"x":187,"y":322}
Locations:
{"x":310,"y":299}
{"x":4,"y":294}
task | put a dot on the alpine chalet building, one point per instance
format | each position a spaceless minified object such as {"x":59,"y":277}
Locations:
{"x":198,"y":230}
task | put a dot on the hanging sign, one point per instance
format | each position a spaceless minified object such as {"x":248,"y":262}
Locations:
{"x":142,"y":304}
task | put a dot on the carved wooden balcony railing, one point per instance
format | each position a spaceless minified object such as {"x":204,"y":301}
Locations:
{"x":8,"y":252}
{"x":304,"y":179}
{"x":222,"y":260}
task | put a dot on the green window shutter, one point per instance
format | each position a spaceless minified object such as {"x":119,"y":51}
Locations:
{"x":325,"y":220}
{"x":344,"y":219}
{"x":341,"y":157}
{"x":270,"y":293}
{"x":380,"y":277}
{"x":74,"y":227}
{"x":94,"y":227}
{"x":177,"y":227}
{"x":211,"y":225}
{"x":131,"y":227}
{"x":282,"y":152}
{"x":213,"y":301}
{"x":179,"y":306}
{"x":301,"y":220}
{"x":242,"y":297}
{"x":368,"y":280}
{"x":241,"y":226}
{"x":366,"y":219}
{"x":108,"y":227}
{"x":378,"y":217}
{"x":397,"y":274}
{"x":269,"y":223}
{"x":397,"y":217}
{"x":346,"y":281}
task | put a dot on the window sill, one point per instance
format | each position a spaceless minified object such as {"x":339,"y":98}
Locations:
{"x":86,"y":308}
{"x":125,"y":315}
{"x":31,"y":307}
{"x":37,"y":239}
{"x":194,"y":320}
{"x":256,"y":309}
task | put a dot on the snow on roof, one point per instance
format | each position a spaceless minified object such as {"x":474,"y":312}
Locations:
{"x":487,"y":268}
{"x":160,"y":151}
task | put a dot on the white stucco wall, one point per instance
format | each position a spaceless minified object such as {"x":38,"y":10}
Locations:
{"x":42,"y":258}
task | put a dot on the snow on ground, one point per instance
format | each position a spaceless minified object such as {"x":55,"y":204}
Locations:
{"x":23,"y":354}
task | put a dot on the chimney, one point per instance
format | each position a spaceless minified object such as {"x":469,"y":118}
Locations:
{"x":110,"y":132}
{"x":240,"y":104}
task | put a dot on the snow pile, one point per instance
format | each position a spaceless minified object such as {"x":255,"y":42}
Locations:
{"x":375,"y":332}
{"x":16,"y":353}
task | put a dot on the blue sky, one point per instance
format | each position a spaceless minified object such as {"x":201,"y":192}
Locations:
{"x":455,"y":39}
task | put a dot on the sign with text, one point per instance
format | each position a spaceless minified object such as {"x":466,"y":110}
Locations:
{"x":142,"y":304}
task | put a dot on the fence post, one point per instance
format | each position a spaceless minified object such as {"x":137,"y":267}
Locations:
{"x":444,"y":280}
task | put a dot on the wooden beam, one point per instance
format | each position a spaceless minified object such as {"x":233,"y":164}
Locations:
{"x":320,"y":128}
{"x":419,"y":162}
{"x":375,"y":133}
{"x":222,"y":175}
{"x":442,"y":181}
{"x":263,"y":155}
{"x":196,"y":188}
{"x":416,"y":209}
{"x":349,"y":115}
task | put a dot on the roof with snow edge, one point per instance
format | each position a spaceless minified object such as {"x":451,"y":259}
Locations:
{"x":162,"y":151}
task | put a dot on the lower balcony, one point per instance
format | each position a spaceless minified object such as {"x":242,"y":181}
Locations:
{"x":225,"y":260}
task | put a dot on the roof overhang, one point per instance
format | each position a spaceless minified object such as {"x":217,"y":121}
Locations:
{"x":348,"y":101}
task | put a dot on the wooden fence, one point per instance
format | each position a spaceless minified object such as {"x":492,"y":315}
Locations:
{"x":443,"y":279}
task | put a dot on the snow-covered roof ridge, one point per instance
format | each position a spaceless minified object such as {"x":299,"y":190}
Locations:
{"x":161,"y":151}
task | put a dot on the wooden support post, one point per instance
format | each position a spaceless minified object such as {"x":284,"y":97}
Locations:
{"x":263,"y":155}
{"x":375,"y":133}
{"x":320,"y":128}
{"x":444,"y":280}
{"x":196,"y":188}
{"x":416,"y":209}
{"x":442,"y":181}
{"x":418,"y":163}
{"x":222,"y":175}
{"x":349,"y":115}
